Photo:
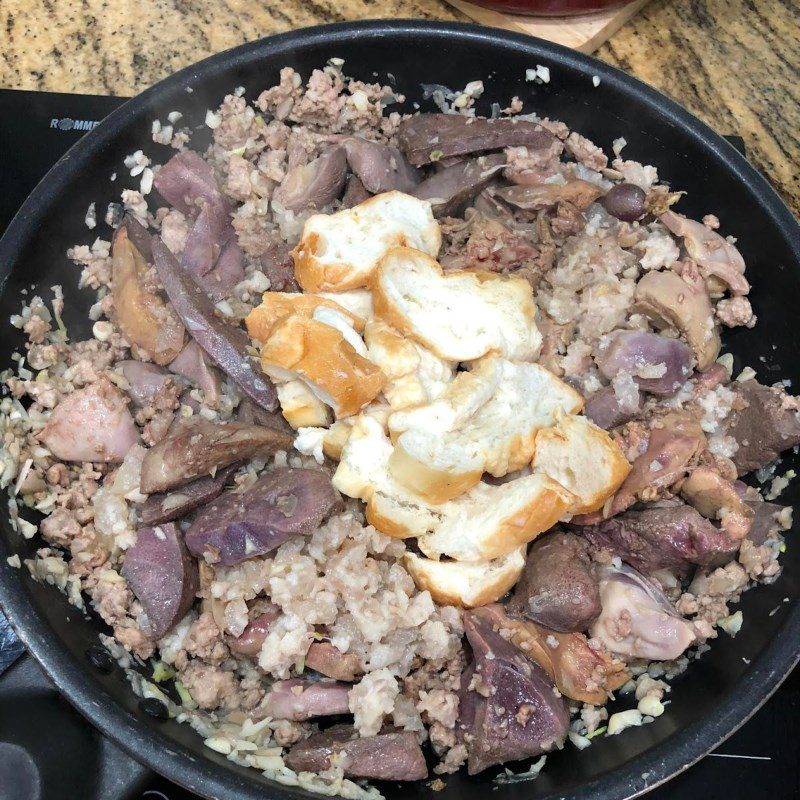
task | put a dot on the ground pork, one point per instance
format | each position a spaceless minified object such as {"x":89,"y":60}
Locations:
{"x":210,"y":686}
{"x":111,"y":597}
{"x":531,"y":167}
{"x":286,"y":733}
{"x":326,"y":102}
{"x":586,"y":152}
{"x":204,"y":641}
{"x":619,"y":627}
{"x":134,"y":203}
{"x":759,"y":561}
{"x":272,"y":164}
{"x":439,"y":706}
{"x":406,"y":716}
{"x":633,"y":172}
{"x":238,"y":185}
{"x":60,"y":527}
{"x":235,"y":123}
{"x":302,"y":147}
{"x":156,"y":427}
{"x":453,"y":760}
{"x":344,"y":577}
{"x":657,"y":250}
{"x":134,"y":639}
{"x":433,"y":676}
{"x":254,"y":230}
{"x":96,"y":263}
{"x":709,"y":595}
{"x":174,"y":230}
{"x":36,"y":329}
{"x":88,"y":552}
{"x":372,"y":699}
{"x":735,"y":311}
{"x":559,"y":129}
{"x":157,"y":416}
{"x":587,"y":294}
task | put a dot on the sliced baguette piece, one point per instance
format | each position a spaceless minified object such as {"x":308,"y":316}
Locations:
{"x":465,"y":584}
{"x":489,"y":521}
{"x":277,"y":305}
{"x":340,"y":251}
{"x":486,"y":420}
{"x":484,"y":523}
{"x":459,"y":315}
{"x":414,"y":375}
{"x":435,"y":470}
{"x":301,"y":408}
{"x":584,"y":459}
{"x":299,"y":348}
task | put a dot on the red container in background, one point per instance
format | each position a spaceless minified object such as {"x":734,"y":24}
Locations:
{"x":549,"y":8}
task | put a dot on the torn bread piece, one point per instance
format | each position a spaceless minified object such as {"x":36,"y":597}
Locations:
{"x":318,"y":354}
{"x":465,"y":584}
{"x":486,"y":420}
{"x":459,"y":315}
{"x":584,"y":459}
{"x":340,"y":251}
{"x":311,"y":442}
{"x":414,"y":375}
{"x":490,"y":521}
{"x":357,"y":301}
{"x":335,"y":437}
{"x":483,"y":523}
{"x":278,"y":305}
{"x":301,"y":408}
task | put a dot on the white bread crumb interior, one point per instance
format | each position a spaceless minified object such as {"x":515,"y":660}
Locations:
{"x":461,"y":583}
{"x":486,"y":420}
{"x":584,"y":459}
{"x":460,"y":315}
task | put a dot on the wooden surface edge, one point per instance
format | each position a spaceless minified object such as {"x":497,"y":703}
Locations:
{"x":585,"y":32}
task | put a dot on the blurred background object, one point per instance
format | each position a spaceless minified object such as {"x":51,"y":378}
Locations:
{"x":580,"y":24}
{"x":551,"y":8}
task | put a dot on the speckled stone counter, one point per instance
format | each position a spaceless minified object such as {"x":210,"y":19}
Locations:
{"x":733,"y":63}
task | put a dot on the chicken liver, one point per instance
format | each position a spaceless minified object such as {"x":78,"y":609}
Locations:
{"x":556,"y":588}
{"x":282,"y":503}
{"x":509,"y":708}
{"x":768,"y":425}
{"x":390,"y":756}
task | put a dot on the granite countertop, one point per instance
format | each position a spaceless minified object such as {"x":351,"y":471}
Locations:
{"x":733,"y":63}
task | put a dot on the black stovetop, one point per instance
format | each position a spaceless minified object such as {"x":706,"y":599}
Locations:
{"x":42,"y":738}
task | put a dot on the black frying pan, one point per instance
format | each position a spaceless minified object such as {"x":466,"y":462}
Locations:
{"x":719,"y":692}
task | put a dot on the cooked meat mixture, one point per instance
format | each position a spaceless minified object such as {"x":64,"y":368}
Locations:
{"x":397,"y":435}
